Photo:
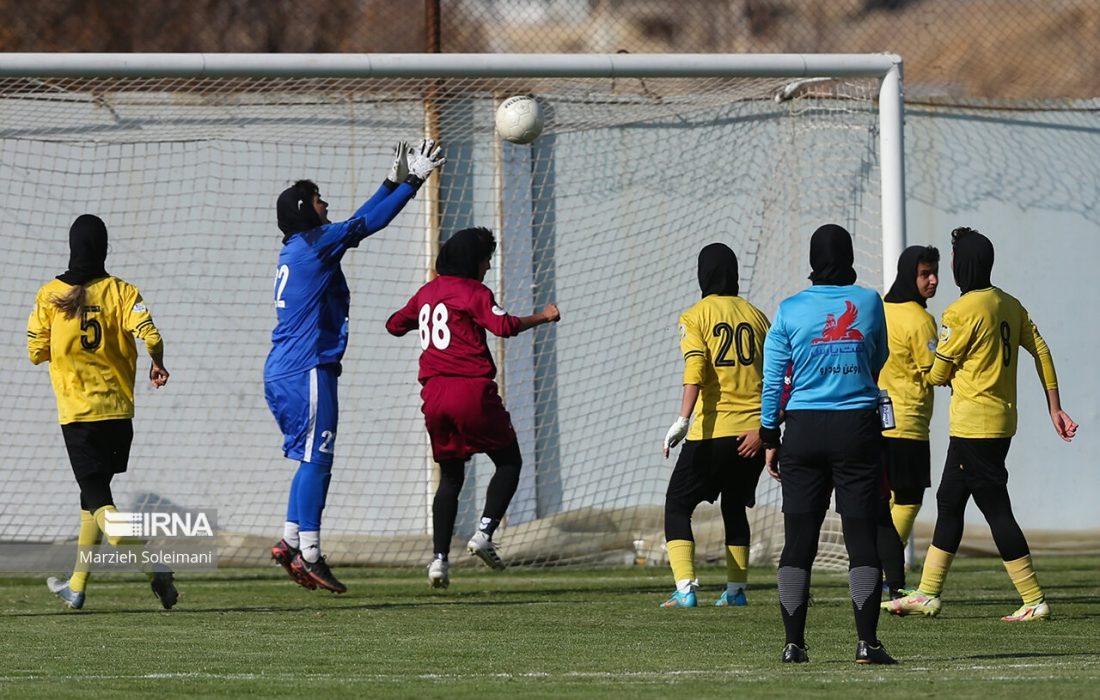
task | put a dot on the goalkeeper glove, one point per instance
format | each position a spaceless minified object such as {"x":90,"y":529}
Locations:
{"x":400,"y":168}
{"x":676,"y":433}
{"x":423,"y":161}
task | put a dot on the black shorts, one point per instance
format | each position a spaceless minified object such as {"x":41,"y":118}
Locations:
{"x":976,"y":462}
{"x":823,"y":450}
{"x":908,"y":463}
{"x":706,"y":469}
{"x":98,"y":447}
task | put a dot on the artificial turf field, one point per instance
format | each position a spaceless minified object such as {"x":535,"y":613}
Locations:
{"x":536,"y":634}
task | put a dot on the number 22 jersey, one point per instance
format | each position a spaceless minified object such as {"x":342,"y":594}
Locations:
{"x":452,"y":315}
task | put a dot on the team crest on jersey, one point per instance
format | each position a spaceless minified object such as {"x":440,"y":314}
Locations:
{"x":499,"y":311}
{"x":945,"y":333}
{"x":139,"y":308}
{"x":839,"y":330}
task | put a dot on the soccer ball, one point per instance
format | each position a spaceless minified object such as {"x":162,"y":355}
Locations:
{"x":519,"y":119}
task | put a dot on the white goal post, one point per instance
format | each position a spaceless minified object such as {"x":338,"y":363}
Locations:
{"x":644,"y":159}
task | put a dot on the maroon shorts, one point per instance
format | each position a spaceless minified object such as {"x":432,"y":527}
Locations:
{"x":464,"y":417}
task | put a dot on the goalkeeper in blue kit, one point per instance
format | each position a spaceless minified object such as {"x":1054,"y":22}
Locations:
{"x":832,"y":336}
{"x":312,"y":301}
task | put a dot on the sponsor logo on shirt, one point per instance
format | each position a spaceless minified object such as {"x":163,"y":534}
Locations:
{"x":945,"y":333}
{"x":839,"y":330}
{"x":499,"y":311}
{"x":139,"y":308}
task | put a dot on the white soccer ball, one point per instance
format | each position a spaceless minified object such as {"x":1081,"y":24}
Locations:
{"x":519,"y":119}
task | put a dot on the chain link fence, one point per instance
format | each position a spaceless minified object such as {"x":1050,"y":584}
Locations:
{"x":955,"y":51}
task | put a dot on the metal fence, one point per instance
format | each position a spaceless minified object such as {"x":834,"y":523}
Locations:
{"x":955,"y":51}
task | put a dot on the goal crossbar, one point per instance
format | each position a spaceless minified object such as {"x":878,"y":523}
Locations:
{"x":887,"y":67}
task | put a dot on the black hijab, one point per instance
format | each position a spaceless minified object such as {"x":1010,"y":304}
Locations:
{"x":462,"y":254}
{"x":973,"y":259}
{"x":831,"y":256}
{"x":905,"y":285}
{"x":295,"y":211}
{"x":718,"y":270}
{"x":87,"y":250}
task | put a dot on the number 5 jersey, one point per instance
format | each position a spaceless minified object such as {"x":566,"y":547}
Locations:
{"x":92,"y":356}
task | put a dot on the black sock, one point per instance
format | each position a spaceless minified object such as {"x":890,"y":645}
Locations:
{"x":488,"y":525}
{"x":452,"y":473}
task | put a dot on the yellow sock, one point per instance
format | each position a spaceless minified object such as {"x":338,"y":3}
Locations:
{"x":936,"y":566}
{"x":737,"y":563}
{"x":1023,"y":577}
{"x":904,"y":516}
{"x":136,"y":544}
{"x":101,"y":522}
{"x":89,"y":536}
{"x":681,"y":557}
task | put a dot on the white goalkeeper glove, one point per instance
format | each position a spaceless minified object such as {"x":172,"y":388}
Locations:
{"x":675,"y":433}
{"x":423,"y":161}
{"x":400,"y":168}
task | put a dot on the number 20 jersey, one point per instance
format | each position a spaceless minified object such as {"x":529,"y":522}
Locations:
{"x":452,"y":315}
{"x":722,"y":339}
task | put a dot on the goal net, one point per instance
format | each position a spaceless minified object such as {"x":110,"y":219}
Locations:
{"x":604,"y":214}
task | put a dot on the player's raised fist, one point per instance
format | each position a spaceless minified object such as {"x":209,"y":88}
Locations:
{"x":550,"y":311}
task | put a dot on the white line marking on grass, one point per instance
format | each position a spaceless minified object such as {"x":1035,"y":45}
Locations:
{"x":824,"y":674}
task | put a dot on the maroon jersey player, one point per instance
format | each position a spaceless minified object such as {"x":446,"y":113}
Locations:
{"x":462,"y":407}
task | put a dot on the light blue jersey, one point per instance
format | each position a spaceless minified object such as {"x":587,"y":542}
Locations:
{"x":834,"y":339}
{"x":312,"y":299}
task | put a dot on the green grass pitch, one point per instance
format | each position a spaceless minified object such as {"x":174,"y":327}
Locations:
{"x":536,"y":634}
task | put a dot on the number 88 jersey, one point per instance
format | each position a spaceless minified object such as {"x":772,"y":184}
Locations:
{"x":722,"y":339}
{"x":451,"y":315}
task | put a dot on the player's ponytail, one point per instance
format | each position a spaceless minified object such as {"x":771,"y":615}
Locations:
{"x":70,"y":302}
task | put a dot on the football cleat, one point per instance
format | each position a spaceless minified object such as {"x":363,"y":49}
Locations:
{"x":164,"y":589}
{"x":868,"y":654}
{"x":284,"y":554}
{"x":681,"y":600}
{"x":438,"y":573}
{"x":901,"y":592}
{"x":915,"y":602}
{"x":482,"y":547}
{"x":60,"y":588}
{"x":728,"y":599}
{"x":794,"y":654}
{"x":318,"y":572}
{"x":1027,"y":613}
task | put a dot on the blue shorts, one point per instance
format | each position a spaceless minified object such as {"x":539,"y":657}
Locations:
{"x":306,"y":409}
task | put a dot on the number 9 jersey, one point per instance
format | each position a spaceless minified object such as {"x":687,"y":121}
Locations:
{"x":722,"y":339}
{"x":452,"y":315}
{"x":92,"y":356}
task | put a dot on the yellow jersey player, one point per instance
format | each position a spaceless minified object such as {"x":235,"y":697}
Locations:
{"x":911,"y":332}
{"x":980,"y":338}
{"x":84,"y":323}
{"x":722,"y":340}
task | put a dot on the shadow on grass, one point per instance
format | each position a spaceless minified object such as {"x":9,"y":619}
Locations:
{"x":1024,"y":655}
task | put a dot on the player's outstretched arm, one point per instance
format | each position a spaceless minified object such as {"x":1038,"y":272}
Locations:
{"x":1063,"y":424}
{"x":549,"y":314}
